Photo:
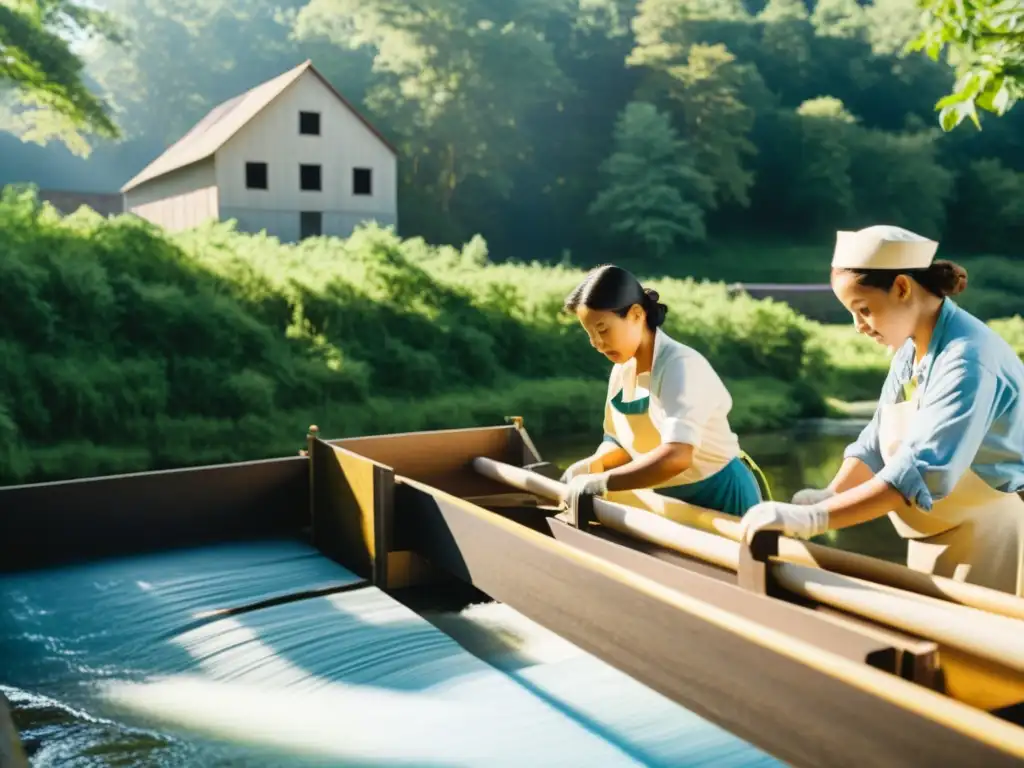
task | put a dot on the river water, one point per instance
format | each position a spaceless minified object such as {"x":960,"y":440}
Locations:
{"x":63,"y":728}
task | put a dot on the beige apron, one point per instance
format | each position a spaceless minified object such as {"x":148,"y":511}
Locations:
{"x":975,"y":534}
{"x":636,"y":434}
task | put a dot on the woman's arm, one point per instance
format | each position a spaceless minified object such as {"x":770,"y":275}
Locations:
{"x":852,"y":473}
{"x":862,"y":503}
{"x":655,"y":467}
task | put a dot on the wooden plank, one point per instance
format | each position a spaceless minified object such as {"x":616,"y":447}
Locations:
{"x":916,"y":660}
{"x":353,"y":503}
{"x":797,"y":702}
{"x":46,"y":524}
{"x":442,"y":458}
{"x":11,"y":753}
{"x":797,"y":621}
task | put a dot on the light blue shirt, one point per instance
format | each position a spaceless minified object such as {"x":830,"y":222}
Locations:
{"x":970,"y":413}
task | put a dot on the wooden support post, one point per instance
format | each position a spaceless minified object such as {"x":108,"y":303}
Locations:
{"x":11,"y":753}
{"x":351,"y":507}
{"x":754,"y":573}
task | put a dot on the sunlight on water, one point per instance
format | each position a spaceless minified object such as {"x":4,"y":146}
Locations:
{"x":122,"y":672}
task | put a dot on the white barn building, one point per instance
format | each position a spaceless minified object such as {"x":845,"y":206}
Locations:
{"x":291,"y":157}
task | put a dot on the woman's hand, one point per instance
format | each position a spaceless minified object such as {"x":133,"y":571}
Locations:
{"x":810,"y":496}
{"x":582,"y":467}
{"x":805,"y":522}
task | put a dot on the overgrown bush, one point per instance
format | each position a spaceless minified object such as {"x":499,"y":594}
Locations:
{"x":122,"y":347}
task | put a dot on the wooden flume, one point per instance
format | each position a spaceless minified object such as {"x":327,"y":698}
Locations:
{"x":987,"y":635}
{"x":807,"y":682}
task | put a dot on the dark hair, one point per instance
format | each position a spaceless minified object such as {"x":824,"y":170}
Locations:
{"x":615,"y":289}
{"x":943,"y":278}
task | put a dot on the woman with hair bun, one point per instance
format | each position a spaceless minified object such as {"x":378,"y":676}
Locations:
{"x":666,"y":422}
{"x":943,"y":455}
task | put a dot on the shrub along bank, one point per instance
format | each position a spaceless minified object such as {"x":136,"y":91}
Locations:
{"x":124,"y":348}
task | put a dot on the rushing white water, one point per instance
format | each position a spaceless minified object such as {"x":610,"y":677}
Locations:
{"x":172,"y":648}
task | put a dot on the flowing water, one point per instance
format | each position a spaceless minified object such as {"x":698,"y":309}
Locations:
{"x":116,"y":664}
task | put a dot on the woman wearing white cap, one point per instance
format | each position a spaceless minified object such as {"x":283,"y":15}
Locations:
{"x":943,"y":455}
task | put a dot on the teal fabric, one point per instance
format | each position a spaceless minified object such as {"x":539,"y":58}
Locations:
{"x":633,"y":407}
{"x":733,"y":490}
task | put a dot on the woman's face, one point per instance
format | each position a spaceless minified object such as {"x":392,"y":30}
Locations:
{"x":888,"y":317}
{"x":617,"y":338}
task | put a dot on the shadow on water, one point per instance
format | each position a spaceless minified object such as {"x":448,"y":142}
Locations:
{"x":68,"y":632}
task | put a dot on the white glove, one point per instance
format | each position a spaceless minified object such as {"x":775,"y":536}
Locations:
{"x":595,"y":484}
{"x":802,"y":521}
{"x":812,"y":495}
{"x":582,"y":467}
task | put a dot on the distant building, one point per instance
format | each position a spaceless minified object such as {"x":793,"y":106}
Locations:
{"x":290,"y":156}
{"x":68,"y":201}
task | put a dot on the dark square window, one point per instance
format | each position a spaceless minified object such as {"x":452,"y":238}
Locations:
{"x":311,"y":224}
{"x":362,"y":181}
{"x":256,"y":175}
{"x":309,"y":123}
{"x":309,"y":177}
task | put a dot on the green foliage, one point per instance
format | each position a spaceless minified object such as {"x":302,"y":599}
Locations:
{"x":805,"y":117}
{"x":989,"y":210}
{"x":43,"y":95}
{"x":136,"y":349}
{"x":654,"y":197}
{"x":1011,"y":329}
{"x":984,"y":40}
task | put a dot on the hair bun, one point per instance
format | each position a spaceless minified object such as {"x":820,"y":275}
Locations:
{"x":961,"y":282}
{"x":656,"y":311}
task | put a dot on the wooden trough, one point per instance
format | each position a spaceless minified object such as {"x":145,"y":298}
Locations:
{"x":816,"y":656}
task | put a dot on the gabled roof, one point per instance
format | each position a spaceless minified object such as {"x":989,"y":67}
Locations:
{"x":228,"y":118}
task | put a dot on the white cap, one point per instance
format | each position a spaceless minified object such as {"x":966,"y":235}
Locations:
{"x":883,"y":247}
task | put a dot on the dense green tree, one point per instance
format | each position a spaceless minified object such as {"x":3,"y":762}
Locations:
{"x":43,"y":90}
{"x":505,"y":111}
{"x":455,"y":80}
{"x":653,"y":197}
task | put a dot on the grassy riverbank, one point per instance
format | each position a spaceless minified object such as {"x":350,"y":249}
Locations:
{"x":125,"y":349}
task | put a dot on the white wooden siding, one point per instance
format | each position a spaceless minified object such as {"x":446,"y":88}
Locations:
{"x":284,"y":225}
{"x":178,"y":200}
{"x":344,"y":143}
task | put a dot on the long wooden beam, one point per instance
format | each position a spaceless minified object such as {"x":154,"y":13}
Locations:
{"x":806,"y":706}
{"x":46,"y":524}
{"x":800,"y":552}
{"x":992,"y":637}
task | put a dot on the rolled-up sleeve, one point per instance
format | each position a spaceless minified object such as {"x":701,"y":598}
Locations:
{"x":680,"y":398}
{"x":956,"y":410}
{"x":866,"y":447}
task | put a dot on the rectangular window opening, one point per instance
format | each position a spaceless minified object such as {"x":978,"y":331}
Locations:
{"x":255,"y":175}
{"x":362,"y":181}
{"x":309,"y":123}
{"x":311,"y":224}
{"x":309,"y":178}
